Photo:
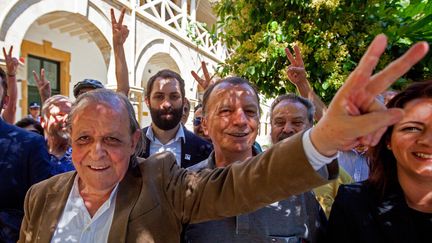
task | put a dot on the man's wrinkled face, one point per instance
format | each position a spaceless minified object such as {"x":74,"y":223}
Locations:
{"x":288,"y":118}
{"x":56,"y":117}
{"x":102,"y":145}
{"x":197,"y":124}
{"x":165,"y":103}
{"x":231,"y":118}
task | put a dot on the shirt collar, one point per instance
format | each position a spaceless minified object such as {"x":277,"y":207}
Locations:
{"x":179,"y":135}
{"x":75,"y":192}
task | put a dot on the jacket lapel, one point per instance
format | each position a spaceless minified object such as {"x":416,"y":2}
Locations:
{"x":127,"y":195}
{"x":53,"y":211}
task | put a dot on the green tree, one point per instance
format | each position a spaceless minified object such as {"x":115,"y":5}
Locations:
{"x":332,"y":35}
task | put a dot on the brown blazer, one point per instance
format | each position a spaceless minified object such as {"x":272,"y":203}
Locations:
{"x":157,"y":197}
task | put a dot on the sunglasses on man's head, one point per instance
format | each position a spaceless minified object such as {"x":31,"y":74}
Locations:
{"x":197,"y":121}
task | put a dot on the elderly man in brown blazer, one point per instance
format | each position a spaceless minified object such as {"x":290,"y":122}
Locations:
{"x":114,"y":197}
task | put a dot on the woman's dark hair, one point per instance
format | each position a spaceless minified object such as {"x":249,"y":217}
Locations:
{"x":382,"y":163}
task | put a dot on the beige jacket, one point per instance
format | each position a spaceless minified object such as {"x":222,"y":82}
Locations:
{"x":157,"y":197}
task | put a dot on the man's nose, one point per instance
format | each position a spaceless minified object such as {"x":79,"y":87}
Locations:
{"x":166,"y":104}
{"x":97,"y":151}
{"x":288,"y":128}
{"x":240,"y":117}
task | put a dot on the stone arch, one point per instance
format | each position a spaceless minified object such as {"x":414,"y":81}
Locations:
{"x":157,"y":50}
{"x":25,"y":12}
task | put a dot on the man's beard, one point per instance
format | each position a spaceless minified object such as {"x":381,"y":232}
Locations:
{"x":166,"y":124}
{"x":59,"y":132}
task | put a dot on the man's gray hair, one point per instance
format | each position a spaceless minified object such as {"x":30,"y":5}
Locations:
{"x":50,"y":101}
{"x":117,"y":102}
{"x":295,"y":98}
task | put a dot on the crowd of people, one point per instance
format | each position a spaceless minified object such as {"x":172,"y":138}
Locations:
{"x":85,"y":171}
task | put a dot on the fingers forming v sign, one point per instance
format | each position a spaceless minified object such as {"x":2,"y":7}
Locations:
{"x":43,"y":85}
{"x":353,"y":115}
{"x":204,"y":83}
{"x":11,"y":62}
{"x":120,"y":31}
{"x":296,"y":71}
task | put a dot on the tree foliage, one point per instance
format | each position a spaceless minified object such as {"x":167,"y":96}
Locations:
{"x":332,"y":34}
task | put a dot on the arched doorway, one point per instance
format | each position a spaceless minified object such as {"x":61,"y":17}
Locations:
{"x":69,"y":47}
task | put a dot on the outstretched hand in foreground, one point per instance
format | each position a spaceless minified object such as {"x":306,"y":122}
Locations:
{"x":354,"y":116}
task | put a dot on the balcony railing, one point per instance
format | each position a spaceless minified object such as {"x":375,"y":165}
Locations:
{"x":176,"y":19}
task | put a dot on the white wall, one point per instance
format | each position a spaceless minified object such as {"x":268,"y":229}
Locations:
{"x":86,"y":59}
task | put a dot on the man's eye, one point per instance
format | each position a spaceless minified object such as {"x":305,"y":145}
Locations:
{"x":251,"y":113}
{"x":112,"y":140}
{"x":158,"y":97}
{"x":225,"y":111}
{"x":279,"y":123}
{"x":175,"y":97}
{"x":83,"y":140}
{"x":299,"y":123}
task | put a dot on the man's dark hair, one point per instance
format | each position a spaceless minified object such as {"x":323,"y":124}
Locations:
{"x":25,"y":122}
{"x":3,"y":80}
{"x":165,"y":74}
{"x":229,"y":80}
{"x":295,"y":98}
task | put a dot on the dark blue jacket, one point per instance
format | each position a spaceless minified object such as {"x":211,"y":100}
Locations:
{"x":24,"y":161}
{"x":193,"y":150}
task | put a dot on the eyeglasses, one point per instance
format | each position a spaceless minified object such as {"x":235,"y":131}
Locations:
{"x":197,"y":121}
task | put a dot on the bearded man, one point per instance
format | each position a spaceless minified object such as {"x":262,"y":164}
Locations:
{"x":55,"y":111}
{"x":165,"y":98}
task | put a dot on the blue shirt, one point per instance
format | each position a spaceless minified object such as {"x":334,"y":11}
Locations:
{"x":355,"y":164}
{"x":63,"y":164}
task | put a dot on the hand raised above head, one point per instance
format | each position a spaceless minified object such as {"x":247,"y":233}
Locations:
{"x":354,"y":116}
{"x":120,"y":31}
{"x":207,"y":80}
{"x":11,"y":62}
{"x":296,"y":70}
{"x":43,"y":85}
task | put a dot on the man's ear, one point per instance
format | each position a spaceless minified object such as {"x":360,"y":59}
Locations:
{"x":135,"y":139}
{"x":147,"y":101}
{"x":204,"y":125}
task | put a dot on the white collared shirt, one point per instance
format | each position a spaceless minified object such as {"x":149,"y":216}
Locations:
{"x":174,"y":145}
{"x":316,"y":159}
{"x":76,"y":224}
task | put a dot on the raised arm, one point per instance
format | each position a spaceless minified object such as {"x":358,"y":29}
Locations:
{"x":12,"y":92}
{"x":120,"y":33}
{"x":297,"y":75}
